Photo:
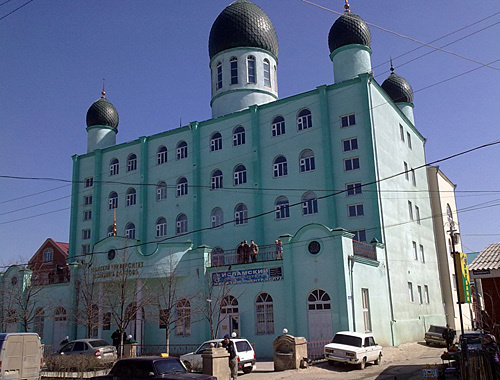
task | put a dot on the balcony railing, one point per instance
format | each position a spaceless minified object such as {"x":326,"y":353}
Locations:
{"x":364,"y":250}
{"x":230,"y":257}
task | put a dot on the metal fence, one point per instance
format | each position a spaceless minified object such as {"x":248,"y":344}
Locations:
{"x":226,"y":257}
{"x":315,"y":350}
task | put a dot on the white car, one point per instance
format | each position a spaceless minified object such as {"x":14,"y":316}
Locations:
{"x":353,"y":348}
{"x":244,"y":354}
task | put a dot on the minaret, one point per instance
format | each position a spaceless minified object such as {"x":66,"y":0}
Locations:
{"x":243,"y":50}
{"x":349,"y":42}
{"x":401,"y":93}
{"x":102,"y":124}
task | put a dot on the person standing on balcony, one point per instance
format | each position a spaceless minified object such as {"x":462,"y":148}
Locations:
{"x":246,"y":249}
{"x":254,"y":251}
{"x":240,"y":253}
{"x":279,"y":249}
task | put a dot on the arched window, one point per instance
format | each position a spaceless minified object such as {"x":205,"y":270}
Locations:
{"x":280,"y":167}
{"x":267,"y":73}
{"x":309,"y":203}
{"x":215,"y":142}
{"x":282,"y":208}
{"x":182,"y":150}
{"x":113,"y":200}
{"x":278,"y":126}
{"x":240,"y":175}
{"x":181,"y":224}
{"x":114,"y":166}
{"x":161,"y":155}
{"x":216,"y":217}
{"x":306,"y":161}
{"x":318,"y":300}
{"x":183,"y":318}
{"x":161,"y":191}
{"x":39,"y":321}
{"x":182,"y":186}
{"x":130,"y":230}
{"x":234,"y":70}
{"x":264,"y":314}
{"x":251,"y":69}
{"x":218,"y":82}
{"x":131,"y":162}
{"x":216,"y":179}
{"x":240,"y":214}
{"x":110,"y":231}
{"x":161,"y":227}
{"x":239,"y":136}
{"x":131,"y":197}
{"x":229,"y":305}
{"x":304,"y":119}
{"x":60,"y":314}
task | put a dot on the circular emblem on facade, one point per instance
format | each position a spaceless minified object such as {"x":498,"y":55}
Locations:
{"x":314,"y":247}
{"x":13,"y":281}
{"x":111,"y":254}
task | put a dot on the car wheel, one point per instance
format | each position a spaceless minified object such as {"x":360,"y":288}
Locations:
{"x":331,"y":363}
{"x":247,"y":369}
{"x":362,"y":364}
{"x":188,"y":365}
{"x":379,"y":360}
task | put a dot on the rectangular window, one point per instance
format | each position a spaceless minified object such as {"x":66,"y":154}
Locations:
{"x":48,"y":255}
{"x":410,"y":292}
{"x":132,"y":164}
{"x":415,"y":252}
{"x":351,"y":164}
{"x":251,"y":69}
{"x":182,"y":152}
{"x":87,"y":200}
{"x":350,"y":144}
{"x":348,"y":120}
{"x":234,"y":71}
{"x":410,"y":210}
{"x":114,"y":168}
{"x":426,"y":294}
{"x":407,"y":177}
{"x":87,"y":214}
{"x":106,"y":320}
{"x":417,"y":214}
{"x":413,"y":178}
{"x":218,"y":84}
{"x":422,"y":256}
{"x":420,"y":295}
{"x":267,"y":73}
{"x":408,"y":138}
{"x":366,"y":310}
{"x":402,"y":132}
{"x":85,"y":234}
{"x":85,"y":249}
{"x":359,"y":235}
{"x":354,"y":188}
{"x":89,"y":182}
{"x":161,"y":157}
{"x":355,"y":210}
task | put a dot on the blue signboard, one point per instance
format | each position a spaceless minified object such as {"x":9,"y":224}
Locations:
{"x":247,"y":276}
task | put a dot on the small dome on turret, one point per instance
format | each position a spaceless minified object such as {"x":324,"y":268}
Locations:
{"x":242,"y":24}
{"x":398,"y":89}
{"x":102,"y":112}
{"x":349,"y":29}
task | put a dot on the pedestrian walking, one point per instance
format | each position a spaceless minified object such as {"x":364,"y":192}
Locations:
{"x":233,"y":363}
{"x":449,"y":336}
{"x":254,"y":251}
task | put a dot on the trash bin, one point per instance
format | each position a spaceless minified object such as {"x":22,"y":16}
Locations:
{"x":288,"y":352}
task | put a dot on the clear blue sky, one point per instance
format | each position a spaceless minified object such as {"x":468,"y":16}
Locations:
{"x":154,"y":57}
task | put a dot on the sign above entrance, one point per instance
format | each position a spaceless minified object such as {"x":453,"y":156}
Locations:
{"x":247,"y":276}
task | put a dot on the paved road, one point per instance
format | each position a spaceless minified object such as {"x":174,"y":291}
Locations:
{"x":402,"y":363}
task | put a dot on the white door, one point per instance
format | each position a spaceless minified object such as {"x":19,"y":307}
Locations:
{"x":230,"y":324}
{"x":60,"y":327}
{"x":320,"y":316}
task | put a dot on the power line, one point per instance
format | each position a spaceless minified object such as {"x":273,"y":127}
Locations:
{"x":15,"y":10}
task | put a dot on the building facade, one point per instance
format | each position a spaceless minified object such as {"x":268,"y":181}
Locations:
{"x":322,"y":181}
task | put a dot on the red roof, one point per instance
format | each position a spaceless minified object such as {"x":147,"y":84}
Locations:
{"x":62,"y":246}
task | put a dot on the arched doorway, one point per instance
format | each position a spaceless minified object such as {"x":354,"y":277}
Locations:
{"x":60,"y":326}
{"x":319,"y":315}
{"x":230,"y":316}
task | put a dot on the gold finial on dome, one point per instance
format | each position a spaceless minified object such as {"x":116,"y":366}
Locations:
{"x":346,"y":6}
{"x":103,"y":93}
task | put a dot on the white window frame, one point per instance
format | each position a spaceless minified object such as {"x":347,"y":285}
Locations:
{"x":218,"y":78}
{"x":86,"y":234}
{"x":264,"y":314}
{"x":304,"y":119}
{"x":182,"y":187}
{"x":87,"y":214}
{"x":161,"y":228}
{"x":282,"y":208}
{"x":267,"y":72}
{"x":87,"y":200}
{"x":278,"y":126}
{"x":365,"y":303}
{"x":131,"y":197}
{"x":307,"y":162}
{"x":181,"y":224}
{"x":183,"y":318}
{"x":240,"y":176}
{"x":233,"y":65}
{"x":348,"y":120}
{"x":217,"y":218}
{"x":359,"y":235}
{"x":309,"y":203}
{"x":355,"y":210}
{"x":161,"y":155}
{"x":353,"y":189}
{"x":48,"y":255}
{"x":351,"y":164}
{"x":216,"y":180}
{"x":130,"y":231}
{"x":113,"y":201}
{"x":216,"y":142}
{"x":161,"y":191}
{"x":349,"y":145}
{"x":240,"y":214}
{"x":132,"y":162}
{"x":114,"y":167}
{"x":182,"y":150}
{"x":89,"y":182}
{"x":251,"y":70}
{"x":280,"y":168}
{"x":239,"y":136}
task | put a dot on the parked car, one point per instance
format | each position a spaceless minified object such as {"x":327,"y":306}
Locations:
{"x":435,"y":335}
{"x":353,"y":348}
{"x":21,"y":356}
{"x":97,"y":348}
{"x":473,"y":339}
{"x":244,"y":354}
{"x":150,"y":368}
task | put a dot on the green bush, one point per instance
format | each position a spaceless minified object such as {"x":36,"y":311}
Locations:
{"x":75,"y":363}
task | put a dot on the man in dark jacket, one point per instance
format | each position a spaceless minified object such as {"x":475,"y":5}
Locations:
{"x":449,"y":336}
{"x":233,"y":363}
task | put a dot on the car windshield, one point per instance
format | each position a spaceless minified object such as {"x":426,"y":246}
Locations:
{"x":98,"y":343}
{"x":203,"y":347}
{"x":169,"y":366}
{"x":347,"y":340}
{"x":437,"y":329}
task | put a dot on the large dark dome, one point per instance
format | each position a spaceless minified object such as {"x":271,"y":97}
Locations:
{"x":398,"y":89}
{"x":242,"y":24}
{"x":102,"y":112}
{"x":349,"y":29}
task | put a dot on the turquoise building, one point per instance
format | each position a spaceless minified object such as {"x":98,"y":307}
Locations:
{"x":329,"y":173}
